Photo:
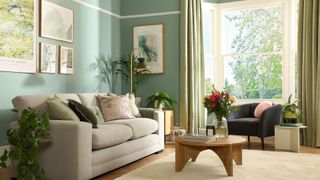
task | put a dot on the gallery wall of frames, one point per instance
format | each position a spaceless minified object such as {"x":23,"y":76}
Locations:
{"x":19,"y":45}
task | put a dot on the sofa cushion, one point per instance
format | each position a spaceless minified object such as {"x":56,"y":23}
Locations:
{"x":65,"y":96}
{"x":38,"y":102}
{"x":113,"y":108}
{"x":58,"y":110}
{"x":140,"y":126}
{"x":96,"y":111}
{"x":88,"y":99}
{"x":108,"y":135}
{"x":83,"y":113}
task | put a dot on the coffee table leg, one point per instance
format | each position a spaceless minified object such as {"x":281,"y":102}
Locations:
{"x":225,"y":154}
{"x":195,"y":155}
{"x":237,"y":154}
{"x":181,"y":158}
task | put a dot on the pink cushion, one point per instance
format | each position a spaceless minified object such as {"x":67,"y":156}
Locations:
{"x":262,"y":107}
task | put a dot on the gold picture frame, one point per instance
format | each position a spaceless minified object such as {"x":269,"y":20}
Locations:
{"x":66,"y":64}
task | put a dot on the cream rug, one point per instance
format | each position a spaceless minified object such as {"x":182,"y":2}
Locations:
{"x":257,"y":165}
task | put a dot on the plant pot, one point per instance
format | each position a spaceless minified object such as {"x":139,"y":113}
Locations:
{"x":158,"y":105}
{"x":290,"y":117}
{"x":8,"y":174}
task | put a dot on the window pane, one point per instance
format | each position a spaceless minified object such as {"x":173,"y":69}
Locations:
{"x":208,"y":48}
{"x":252,"y":30}
{"x":254,"y":77}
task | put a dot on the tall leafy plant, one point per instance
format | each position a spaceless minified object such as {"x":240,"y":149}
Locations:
{"x":123,"y":66}
{"x":25,"y":142}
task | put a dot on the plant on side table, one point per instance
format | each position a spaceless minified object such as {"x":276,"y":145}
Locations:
{"x":24,"y":141}
{"x":291,"y":111}
{"x":160,"y":100}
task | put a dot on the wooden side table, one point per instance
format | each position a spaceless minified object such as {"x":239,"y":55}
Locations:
{"x":168,"y":122}
{"x":288,"y":138}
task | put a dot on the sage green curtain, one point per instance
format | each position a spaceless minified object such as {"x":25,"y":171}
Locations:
{"x":191,"y":66}
{"x":309,"y":69}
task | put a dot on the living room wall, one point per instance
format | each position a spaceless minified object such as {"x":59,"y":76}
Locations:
{"x":95,"y":32}
{"x":169,"y":80}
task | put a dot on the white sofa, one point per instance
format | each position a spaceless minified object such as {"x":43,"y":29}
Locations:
{"x":76,"y":151}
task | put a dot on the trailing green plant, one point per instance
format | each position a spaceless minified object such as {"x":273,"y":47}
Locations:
{"x":291,"y":109}
{"x":122,"y":67}
{"x":158,"y":98}
{"x":25,"y":141}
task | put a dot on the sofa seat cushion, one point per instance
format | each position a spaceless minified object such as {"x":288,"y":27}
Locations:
{"x":244,"y":126}
{"x":108,"y":135}
{"x":140,"y":126}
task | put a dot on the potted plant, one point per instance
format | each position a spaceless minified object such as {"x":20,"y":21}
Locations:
{"x":123,"y":65}
{"x":291,"y":111}
{"x":160,"y":100}
{"x":24,"y":141}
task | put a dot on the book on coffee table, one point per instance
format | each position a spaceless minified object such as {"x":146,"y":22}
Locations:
{"x":198,"y":137}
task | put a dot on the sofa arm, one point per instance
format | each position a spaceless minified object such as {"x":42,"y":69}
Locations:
{"x":158,"y":116}
{"x":68,"y":156}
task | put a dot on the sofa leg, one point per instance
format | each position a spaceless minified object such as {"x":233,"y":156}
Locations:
{"x":262,"y":143}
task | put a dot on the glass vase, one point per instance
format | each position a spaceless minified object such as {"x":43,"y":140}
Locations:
{"x":221,"y":127}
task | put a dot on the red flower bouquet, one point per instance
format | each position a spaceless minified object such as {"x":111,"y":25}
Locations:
{"x":219,"y":102}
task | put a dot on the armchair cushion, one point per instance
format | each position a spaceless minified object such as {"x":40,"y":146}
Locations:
{"x":244,"y":126}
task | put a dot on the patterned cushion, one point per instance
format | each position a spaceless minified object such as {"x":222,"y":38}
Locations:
{"x":113,"y":108}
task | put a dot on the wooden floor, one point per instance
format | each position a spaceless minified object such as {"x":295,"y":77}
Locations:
{"x":169,"y":148}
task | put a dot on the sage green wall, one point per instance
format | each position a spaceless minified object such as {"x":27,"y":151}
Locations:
{"x":169,"y":80}
{"x":94,"y":33}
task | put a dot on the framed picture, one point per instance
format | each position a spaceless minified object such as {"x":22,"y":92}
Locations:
{"x":18,"y":47}
{"x":149,"y":40}
{"x":66,"y":60}
{"x":48,"y":58}
{"x":56,"y":22}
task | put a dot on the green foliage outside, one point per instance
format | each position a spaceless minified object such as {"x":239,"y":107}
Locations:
{"x":257,"y":76}
{"x":16,"y":29}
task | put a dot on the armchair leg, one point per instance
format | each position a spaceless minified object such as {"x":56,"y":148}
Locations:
{"x":248,"y":142}
{"x":262,"y":143}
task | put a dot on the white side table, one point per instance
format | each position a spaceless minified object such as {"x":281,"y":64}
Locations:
{"x":287,"y":138}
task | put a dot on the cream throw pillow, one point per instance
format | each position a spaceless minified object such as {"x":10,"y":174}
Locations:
{"x":132,"y":103}
{"x":113,"y":108}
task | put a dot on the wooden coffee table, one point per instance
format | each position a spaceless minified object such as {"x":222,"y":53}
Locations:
{"x":227,"y":149}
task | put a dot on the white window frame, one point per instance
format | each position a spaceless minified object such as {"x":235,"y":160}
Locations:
{"x":288,"y":47}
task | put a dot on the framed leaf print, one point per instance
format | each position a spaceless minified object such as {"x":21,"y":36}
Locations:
{"x":149,"y":40}
{"x":66,"y":60}
{"x":48,"y":58}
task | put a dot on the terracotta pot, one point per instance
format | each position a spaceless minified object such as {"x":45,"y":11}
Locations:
{"x":8,"y":174}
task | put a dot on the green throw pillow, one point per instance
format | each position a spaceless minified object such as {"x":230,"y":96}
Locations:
{"x":59,"y":111}
{"x":97,"y":113}
{"x":84,"y":113}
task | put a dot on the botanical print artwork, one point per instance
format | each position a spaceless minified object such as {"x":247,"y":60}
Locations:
{"x":48,"y":58}
{"x":66,"y":60}
{"x":149,"y":40}
{"x":17,"y":36}
{"x":56,"y":22}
